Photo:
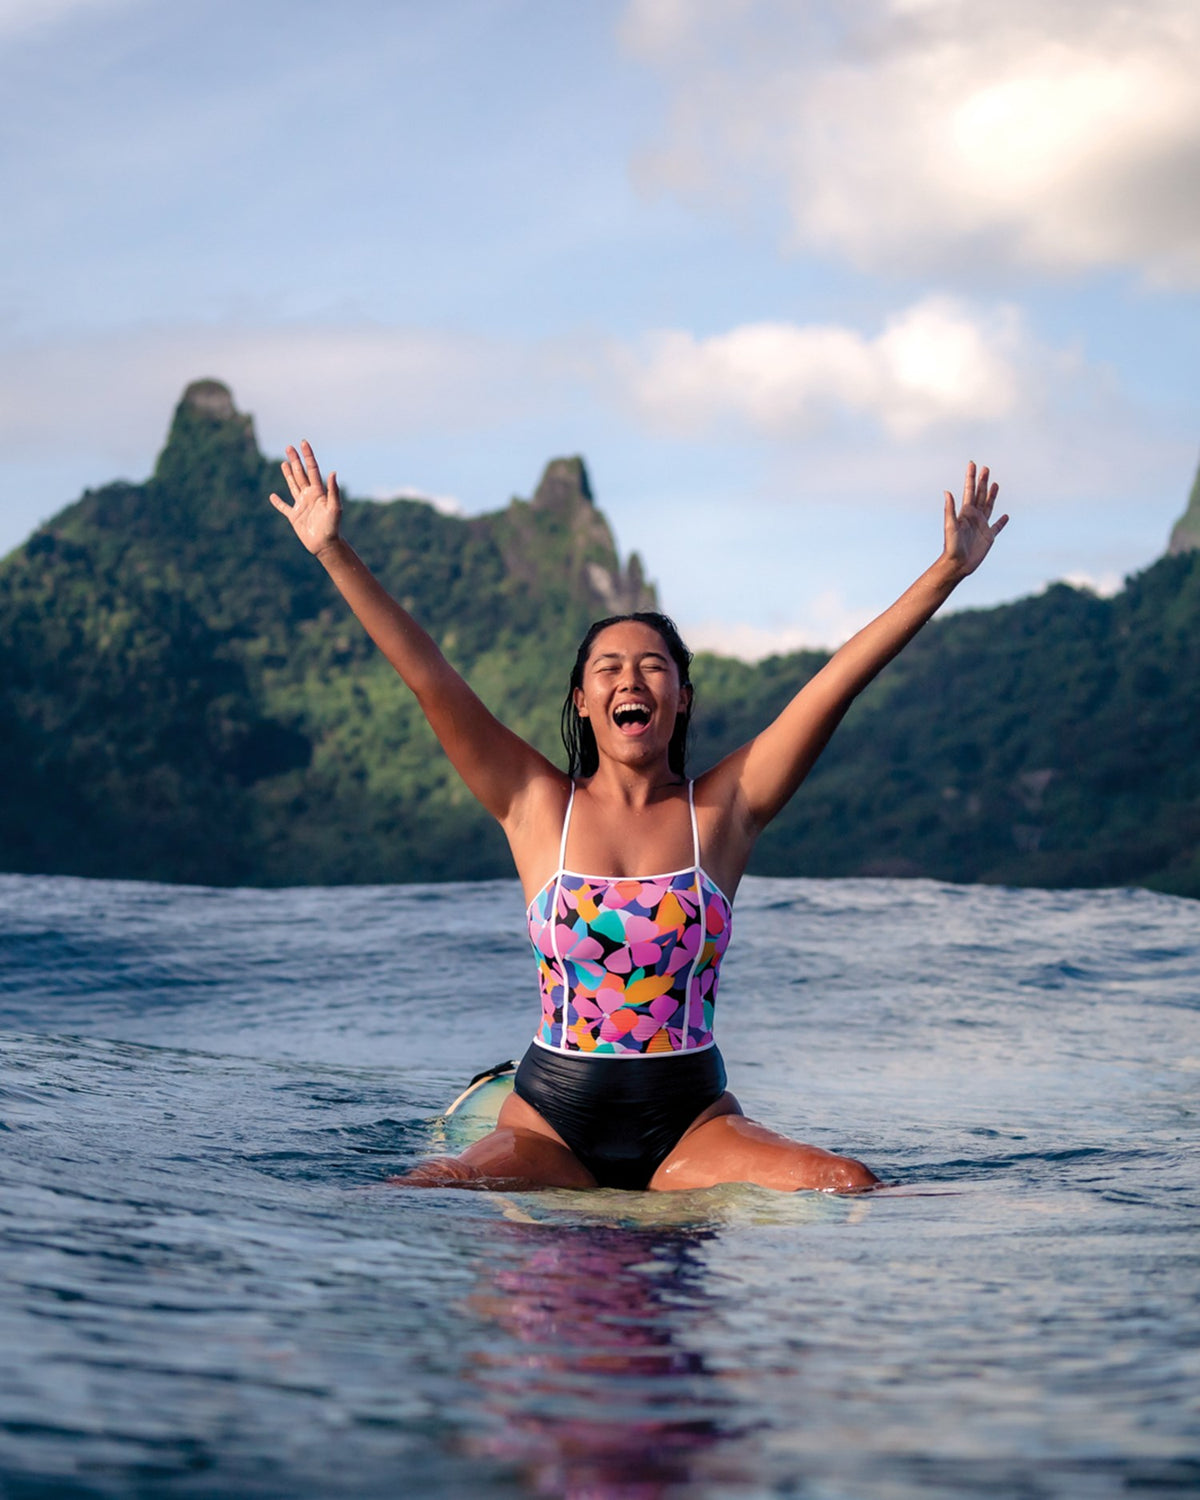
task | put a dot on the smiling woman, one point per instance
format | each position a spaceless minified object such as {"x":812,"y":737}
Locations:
{"x":630,"y":870}
{"x":634,"y":712}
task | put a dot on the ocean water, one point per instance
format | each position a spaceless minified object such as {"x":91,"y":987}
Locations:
{"x":206,"y":1288}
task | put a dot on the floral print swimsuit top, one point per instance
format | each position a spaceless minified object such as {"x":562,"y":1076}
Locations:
{"x":627,"y":966}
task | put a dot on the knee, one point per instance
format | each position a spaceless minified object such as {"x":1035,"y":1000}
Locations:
{"x":440,"y":1171}
{"x":845,"y":1175}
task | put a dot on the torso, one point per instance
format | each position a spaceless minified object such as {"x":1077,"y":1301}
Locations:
{"x":628,"y":964}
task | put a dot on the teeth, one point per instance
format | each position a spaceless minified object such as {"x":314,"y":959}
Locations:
{"x":638,"y":712}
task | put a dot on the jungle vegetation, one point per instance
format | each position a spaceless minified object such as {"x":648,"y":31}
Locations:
{"x":183,"y":697}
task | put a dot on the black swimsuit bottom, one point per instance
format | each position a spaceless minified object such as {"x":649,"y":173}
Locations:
{"x":621,"y":1117}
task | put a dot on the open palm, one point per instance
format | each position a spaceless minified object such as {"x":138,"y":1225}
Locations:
{"x":969,"y":528}
{"x":316,"y":508}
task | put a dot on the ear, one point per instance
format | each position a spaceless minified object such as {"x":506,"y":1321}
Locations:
{"x":685,"y":698}
{"x":578,"y":699}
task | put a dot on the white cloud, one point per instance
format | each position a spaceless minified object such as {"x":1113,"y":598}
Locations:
{"x":1057,"y":134}
{"x":1105,"y":585}
{"x":445,"y":505}
{"x":936,"y":363}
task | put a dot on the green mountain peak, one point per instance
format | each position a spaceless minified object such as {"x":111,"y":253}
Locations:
{"x":211,"y":446}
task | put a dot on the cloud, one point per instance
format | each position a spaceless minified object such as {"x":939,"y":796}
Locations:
{"x":1061,"y":135}
{"x":446,"y":505}
{"x":935,"y":363}
{"x":1105,"y":585}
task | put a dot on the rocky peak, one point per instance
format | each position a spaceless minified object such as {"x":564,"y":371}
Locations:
{"x":561,"y":534}
{"x":210,"y":398}
{"x":564,"y":486}
{"x":1185,"y":535}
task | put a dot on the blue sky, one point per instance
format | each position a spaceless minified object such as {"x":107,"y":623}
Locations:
{"x":777,"y":269}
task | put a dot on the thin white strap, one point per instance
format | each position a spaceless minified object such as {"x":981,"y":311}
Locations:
{"x":562,"y":863}
{"x":703,"y":914}
{"x":695,"y":830}
{"x":562,"y":845}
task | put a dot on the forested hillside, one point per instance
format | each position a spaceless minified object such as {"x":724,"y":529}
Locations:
{"x":1054,"y":741}
{"x":184,"y":697}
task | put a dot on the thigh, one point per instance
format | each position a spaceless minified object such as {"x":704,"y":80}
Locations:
{"x":732,"y":1148}
{"x":522,"y":1152}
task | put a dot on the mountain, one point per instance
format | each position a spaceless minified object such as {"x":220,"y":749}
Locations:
{"x":1185,"y":537}
{"x":184,"y":697}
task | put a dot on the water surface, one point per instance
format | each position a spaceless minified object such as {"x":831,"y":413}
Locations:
{"x":205,"y":1289}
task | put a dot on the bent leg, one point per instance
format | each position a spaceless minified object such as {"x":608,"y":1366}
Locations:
{"x":522,"y":1152}
{"x":732,"y":1148}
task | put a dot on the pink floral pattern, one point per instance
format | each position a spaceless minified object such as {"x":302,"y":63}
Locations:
{"x":638,"y":980}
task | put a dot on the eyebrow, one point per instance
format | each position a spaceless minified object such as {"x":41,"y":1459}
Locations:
{"x":620,"y":655}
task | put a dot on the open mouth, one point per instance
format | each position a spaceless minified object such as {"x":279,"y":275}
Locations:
{"x":630,"y":716}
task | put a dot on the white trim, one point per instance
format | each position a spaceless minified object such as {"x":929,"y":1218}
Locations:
{"x":621,"y":1056}
{"x":616,"y":880}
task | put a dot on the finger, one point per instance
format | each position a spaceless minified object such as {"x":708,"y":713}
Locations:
{"x":291,"y":475}
{"x":334,"y":493}
{"x":311,"y":468}
{"x":969,"y":485}
{"x":999,"y":526}
{"x":981,"y":489}
{"x":281,"y":506}
{"x":949,"y":521}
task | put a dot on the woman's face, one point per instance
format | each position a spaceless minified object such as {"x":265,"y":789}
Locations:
{"x":631,"y":694}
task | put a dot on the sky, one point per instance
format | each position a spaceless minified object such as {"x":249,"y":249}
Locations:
{"x":776,"y":268}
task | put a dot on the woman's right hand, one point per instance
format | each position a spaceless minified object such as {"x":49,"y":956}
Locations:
{"x":316,"y":508}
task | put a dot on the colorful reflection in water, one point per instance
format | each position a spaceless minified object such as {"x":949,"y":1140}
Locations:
{"x":589,"y":1386}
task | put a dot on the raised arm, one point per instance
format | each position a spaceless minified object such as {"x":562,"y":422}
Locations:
{"x":758,"y":779}
{"x":496,"y":764}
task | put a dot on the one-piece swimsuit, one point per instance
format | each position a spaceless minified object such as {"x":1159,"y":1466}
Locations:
{"x":624,"y":1059}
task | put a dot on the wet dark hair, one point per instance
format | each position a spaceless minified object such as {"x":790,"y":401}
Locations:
{"x":578,"y":735}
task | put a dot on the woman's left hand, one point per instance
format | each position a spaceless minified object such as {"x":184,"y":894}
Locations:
{"x":969,"y":529}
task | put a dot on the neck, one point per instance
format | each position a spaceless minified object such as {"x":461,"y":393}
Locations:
{"x":633,"y":786}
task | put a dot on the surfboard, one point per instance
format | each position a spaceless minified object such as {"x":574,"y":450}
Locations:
{"x":474,"y":1112}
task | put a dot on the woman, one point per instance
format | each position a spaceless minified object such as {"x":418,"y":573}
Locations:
{"x":622,"y":1085}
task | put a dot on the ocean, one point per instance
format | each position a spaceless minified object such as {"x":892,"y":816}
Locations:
{"x":207,"y":1289}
